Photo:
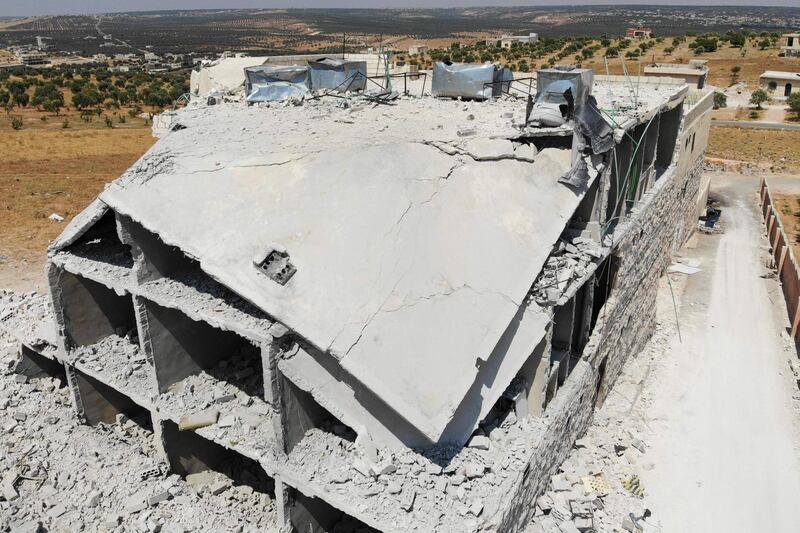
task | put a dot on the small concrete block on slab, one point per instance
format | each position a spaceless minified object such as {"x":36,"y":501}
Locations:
{"x":198,"y":420}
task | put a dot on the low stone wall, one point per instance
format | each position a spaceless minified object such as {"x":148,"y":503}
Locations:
{"x":659,"y":224}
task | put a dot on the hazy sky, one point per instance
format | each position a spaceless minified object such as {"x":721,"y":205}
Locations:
{"x":9,"y":8}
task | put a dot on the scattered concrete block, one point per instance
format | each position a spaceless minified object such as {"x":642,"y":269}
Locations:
{"x":373,"y":490}
{"x":407,"y":500}
{"x":384,"y":467}
{"x":560,"y":483}
{"x":474,"y":470}
{"x":94,"y":498}
{"x":201,"y":478}
{"x":476,"y":507}
{"x":480,"y":442}
{"x":433,"y":469}
{"x":394,"y":487}
{"x":112,"y":521}
{"x":362,"y":468}
{"x":366,"y":447}
{"x":57,"y":511}
{"x":136,"y":503}
{"x":219,"y":486}
{"x":630,"y":525}
{"x":226,"y":421}
{"x":158,"y":497}
{"x":198,"y":420}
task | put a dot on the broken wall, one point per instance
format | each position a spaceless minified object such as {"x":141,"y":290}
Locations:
{"x":664,"y":219}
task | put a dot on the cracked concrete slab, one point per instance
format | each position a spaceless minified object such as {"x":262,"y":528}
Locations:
{"x":411,"y":262}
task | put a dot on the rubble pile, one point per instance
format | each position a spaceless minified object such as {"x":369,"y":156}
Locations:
{"x":570,"y":262}
{"x":60,"y":475}
{"x":29,"y":317}
{"x":443,"y":482}
{"x":598,"y":487}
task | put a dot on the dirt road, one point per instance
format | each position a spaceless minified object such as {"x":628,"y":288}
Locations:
{"x":724,"y":427}
{"x":706,"y":417}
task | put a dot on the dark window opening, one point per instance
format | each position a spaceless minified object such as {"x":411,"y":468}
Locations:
{"x":605,"y":281}
{"x":301,"y":413}
{"x":183,"y":347}
{"x":158,"y":259}
{"x":101,"y":243}
{"x":189,"y":453}
{"x":93,"y":312}
{"x":601,"y":387}
{"x":562,"y":142}
{"x":99,"y":402}
{"x":309,"y":514}
{"x":34,"y":365}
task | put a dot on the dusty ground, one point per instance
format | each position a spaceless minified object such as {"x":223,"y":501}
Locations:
{"x":777,"y":149}
{"x":707,"y":416}
{"x":53,"y":171}
{"x":789,"y":208}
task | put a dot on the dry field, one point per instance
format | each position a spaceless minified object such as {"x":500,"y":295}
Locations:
{"x":45,"y":171}
{"x":769,"y":148}
{"x":789,"y":209}
{"x":753,"y":63}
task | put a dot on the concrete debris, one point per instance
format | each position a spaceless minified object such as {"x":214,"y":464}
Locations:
{"x":480,"y":442}
{"x":55,"y":217}
{"x":630,"y":524}
{"x":198,"y":420}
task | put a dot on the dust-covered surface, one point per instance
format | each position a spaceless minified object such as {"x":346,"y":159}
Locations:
{"x":710,"y":403}
{"x":73,"y":477}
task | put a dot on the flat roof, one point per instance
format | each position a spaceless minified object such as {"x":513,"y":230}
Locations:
{"x":678,"y":69}
{"x":777,"y":74}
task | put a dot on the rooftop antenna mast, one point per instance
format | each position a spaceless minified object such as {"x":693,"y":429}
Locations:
{"x":384,"y":56}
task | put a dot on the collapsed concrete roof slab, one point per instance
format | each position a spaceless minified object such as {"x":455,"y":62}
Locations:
{"x":411,"y":262}
{"x":79,"y":225}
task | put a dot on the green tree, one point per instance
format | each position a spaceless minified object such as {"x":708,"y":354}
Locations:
{"x":720,"y":100}
{"x":612,"y":52}
{"x":758,"y":97}
{"x":793,"y":100}
{"x":16,"y":123}
{"x":737,"y":39}
{"x":5,"y":96}
{"x":763,"y":44}
{"x":735,"y":70}
{"x":52,"y":106}
{"x":21,"y":99}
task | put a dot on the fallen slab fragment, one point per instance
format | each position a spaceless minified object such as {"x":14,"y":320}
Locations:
{"x":202,"y":419}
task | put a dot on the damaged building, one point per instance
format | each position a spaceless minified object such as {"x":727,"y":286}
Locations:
{"x":393,"y":317}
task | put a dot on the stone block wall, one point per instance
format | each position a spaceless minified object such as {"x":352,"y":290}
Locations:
{"x":658,"y":225}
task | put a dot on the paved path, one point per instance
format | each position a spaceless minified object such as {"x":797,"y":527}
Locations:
{"x":724,"y":427}
{"x":755,"y":125}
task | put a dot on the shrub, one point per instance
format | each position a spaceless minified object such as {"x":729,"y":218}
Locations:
{"x":793,"y":100}
{"x":758,"y":97}
{"x":65,"y":124}
{"x":16,"y":123}
{"x":720,"y":100}
{"x":109,"y":122}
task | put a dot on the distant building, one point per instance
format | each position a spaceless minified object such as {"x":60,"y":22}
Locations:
{"x":33,"y":59}
{"x":507,"y":41}
{"x":639,"y":33}
{"x":790,"y":44}
{"x":418,"y":49}
{"x":782,"y":84}
{"x":150,"y":56}
{"x":693,"y":73}
{"x":100,"y":58}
